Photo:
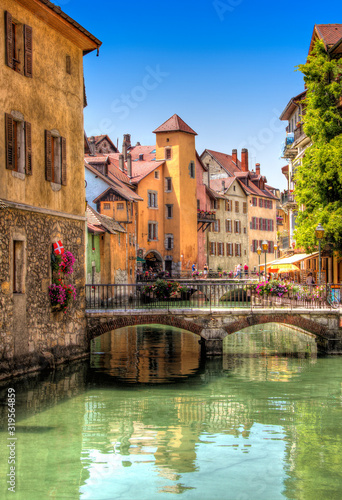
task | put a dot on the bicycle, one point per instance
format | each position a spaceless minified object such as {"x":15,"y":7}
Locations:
{"x":333,"y":296}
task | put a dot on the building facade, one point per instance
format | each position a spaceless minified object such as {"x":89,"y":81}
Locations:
{"x":42,"y":187}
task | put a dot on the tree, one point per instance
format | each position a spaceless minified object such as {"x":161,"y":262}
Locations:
{"x":318,"y":179}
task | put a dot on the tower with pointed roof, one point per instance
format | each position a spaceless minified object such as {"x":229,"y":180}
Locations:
{"x":175,"y":143}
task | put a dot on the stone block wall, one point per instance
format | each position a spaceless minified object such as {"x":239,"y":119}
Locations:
{"x":31,"y":335}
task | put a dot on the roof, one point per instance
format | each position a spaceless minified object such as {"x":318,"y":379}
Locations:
{"x":291,"y":106}
{"x":217,"y":184}
{"x":53,"y":15}
{"x":141,"y":169}
{"x":118,"y":186}
{"x":252,"y":189}
{"x":226,"y":161}
{"x":330,"y":34}
{"x":213,"y":194}
{"x":103,"y":222}
{"x":99,"y":138}
{"x":174,"y":124}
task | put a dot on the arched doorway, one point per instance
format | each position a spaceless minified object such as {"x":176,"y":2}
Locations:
{"x":153,"y":262}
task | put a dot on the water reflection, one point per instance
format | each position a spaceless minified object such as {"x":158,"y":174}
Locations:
{"x":147,"y":354}
{"x":246,"y":427}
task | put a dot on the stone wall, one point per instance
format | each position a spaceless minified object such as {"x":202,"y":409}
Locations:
{"x":31,"y":335}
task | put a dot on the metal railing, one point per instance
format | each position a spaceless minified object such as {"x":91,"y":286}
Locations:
{"x":207,"y":295}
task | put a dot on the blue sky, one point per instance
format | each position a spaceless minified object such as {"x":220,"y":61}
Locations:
{"x":226,"y":67}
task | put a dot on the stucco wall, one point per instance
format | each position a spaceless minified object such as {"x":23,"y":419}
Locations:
{"x":51,"y":100}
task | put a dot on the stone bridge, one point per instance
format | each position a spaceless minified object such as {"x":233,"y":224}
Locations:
{"x":212,"y":327}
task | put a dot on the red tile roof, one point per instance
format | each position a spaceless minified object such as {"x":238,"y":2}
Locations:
{"x":226,"y":161}
{"x":217,"y":184}
{"x":329,"y":33}
{"x":174,"y":124}
{"x":141,"y":169}
{"x":103,"y":222}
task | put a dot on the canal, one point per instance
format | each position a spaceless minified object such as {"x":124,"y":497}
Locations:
{"x":147,"y":418}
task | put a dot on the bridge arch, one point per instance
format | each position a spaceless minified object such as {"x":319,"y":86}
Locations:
{"x":295,"y":320}
{"x":97,"y":327}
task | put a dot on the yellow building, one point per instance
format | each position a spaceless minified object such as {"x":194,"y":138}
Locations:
{"x":42,"y":174}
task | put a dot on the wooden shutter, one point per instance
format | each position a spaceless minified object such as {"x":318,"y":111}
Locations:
{"x":244,"y":207}
{"x":10,"y":161}
{"x":28,"y":149}
{"x":9,"y":39}
{"x":64,"y":165}
{"x":28,"y":51}
{"x":219,"y":226}
{"x":48,"y":155}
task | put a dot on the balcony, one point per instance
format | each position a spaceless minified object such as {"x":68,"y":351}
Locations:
{"x":287,"y":198}
{"x":203,"y":216}
{"x":299,"y":134}
{"x":204,"y":219}
{"x":280,"y":221}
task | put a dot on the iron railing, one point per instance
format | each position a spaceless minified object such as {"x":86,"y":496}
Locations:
{"x":207,"y":295}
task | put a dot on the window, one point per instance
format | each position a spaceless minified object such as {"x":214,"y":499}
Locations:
{"x":228,"y":205}
{"x":237,"y":249}
{"x":270,"y":204}
{"x":55,"y":158}
{"x":192,"y":169}
{"x":152,"y":231}
{"x":18,"y":145}
{"x":156,"y":174}
{"x":244,"y":207}
{"x":168,"y":184}
{"x":254,"y":202}
{"x":152,"y":199}
{"x":237,"y":227}
{"x":168,"y":153}
{"x":169,"y":211}
{"x":215,"y":204}
{"x":260,"y":202}
{"x":198,"y":204}
{"x":18,"y":46}
{"x":18,"y":266}
{"x":106,"y":206}
{"x":229,"y":249}
{"x":68,"y":67}
{"x":212,"y":248}
{"x":237,"y":207}
{"x":228,"y":226}
{"x":169,"y":241}
{"x":220,"y":249}
{"x":244,"y":230}
{"x":216,"y":226}
{"x":120,"y":206}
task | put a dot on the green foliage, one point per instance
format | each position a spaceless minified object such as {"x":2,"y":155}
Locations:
{"x":319,"y":179}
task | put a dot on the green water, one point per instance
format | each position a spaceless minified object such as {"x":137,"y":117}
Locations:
{"x":148,"y":419}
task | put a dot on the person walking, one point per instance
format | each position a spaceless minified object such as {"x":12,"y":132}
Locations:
{"x":239,"y":270}
{"x":245,"y":267}
{"x":310,"y":279}
{"x":205,"y":270}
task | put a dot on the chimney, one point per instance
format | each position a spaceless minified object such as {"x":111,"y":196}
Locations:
{"x":129,"y":165}
{"x":234,"y":156}
{"x":126,"y":144}
{"x":257,"y":168}
{"x":92,"y":149}
{"x":121,"y":162}
{"x":244,"y":160}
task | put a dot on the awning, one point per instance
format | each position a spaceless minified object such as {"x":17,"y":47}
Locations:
{"x":289,"y":260}
{"x":282,"y":268}
{"x":139,"y":259}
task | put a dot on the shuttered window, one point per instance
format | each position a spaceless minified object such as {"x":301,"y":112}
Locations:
{"x":18,"y":145}
{"x":228,"y":226}
{"x":244,"y":207}
{"x":229,"y":249}
{"x":228,"y":205}
{"x":237,"y":207}
{"x":55,"y":159}
{"x":19,"y":48}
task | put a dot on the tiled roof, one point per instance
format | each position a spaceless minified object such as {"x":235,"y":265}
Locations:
{"x":226,"y":161}
{"x":103,"y":221}
{"x":149,"y":152}
{"x":118,"y":186}
{"x":217,"y":184}
{"x":174,"y":124}
{"x":96,"y":159}
{"x":95,"y":229}
{"x":141,"y":169}
{"x":214,"y":194}
{"x":329,"y":33}
{"x":253,"y":189}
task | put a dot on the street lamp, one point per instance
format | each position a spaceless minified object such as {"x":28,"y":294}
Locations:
{"x":275,"y":249}
{"x":319,"y":232}
{"x":265,"y":248}
{"x":259,"y":253}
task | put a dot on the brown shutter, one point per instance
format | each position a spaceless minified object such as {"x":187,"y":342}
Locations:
{"x":9,"y":39}
{"x":64,"y":165}
{"x":28,"y":50}
{"x":48,"y":155}
{"x":10,"y":163}
{"x":28,"y":149}
{"x":219,"y":226}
